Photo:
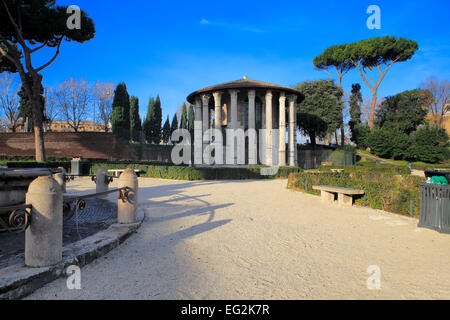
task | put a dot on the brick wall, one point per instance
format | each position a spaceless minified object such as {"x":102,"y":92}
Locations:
{"x":67,"y":144}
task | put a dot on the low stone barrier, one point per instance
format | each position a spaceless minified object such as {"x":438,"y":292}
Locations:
{"x":45,"y":257}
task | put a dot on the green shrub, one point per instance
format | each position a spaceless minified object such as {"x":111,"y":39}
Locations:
{"x":203,"y":173}
{"x":430,"y":144}
{"x":360,"y":136}
{"x":34,"y":164}
{"x":389,"y":143}
{"x":428,"y":166}
{"x":384,"y":191}
{"x":369,"y":167}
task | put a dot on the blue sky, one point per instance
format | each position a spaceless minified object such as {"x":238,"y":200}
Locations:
{"x":172,"y":48}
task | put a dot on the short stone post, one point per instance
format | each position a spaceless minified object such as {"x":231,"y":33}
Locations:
{"x":60,"y":178}
{"x":127,"y":209}
{"x":43,"y":238}
{"x":101,"y":180}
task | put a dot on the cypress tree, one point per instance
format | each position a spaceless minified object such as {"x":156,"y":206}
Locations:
{"x":148,"y":120}
{"x":157,"y":122}
{"x":120,"y":117}
{"x":166,"y":131}
{"x":25,"y":108}
{"x":184,"y":118}
{"x":355,"y":110}
{"x":174,"y":125}
{"x":135,"y":119}
{"x":191,"y":119}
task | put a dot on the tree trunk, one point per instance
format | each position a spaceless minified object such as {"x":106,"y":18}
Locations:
{"x":372,"y":109}
{"x":37,"y":119}
{"x":312,"y":136}
{"x":342,"y":135}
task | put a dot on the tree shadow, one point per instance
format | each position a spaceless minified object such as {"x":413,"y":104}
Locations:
{"x":176,"y":237}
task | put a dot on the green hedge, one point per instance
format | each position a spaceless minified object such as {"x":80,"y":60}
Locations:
{"x":370,"y":167}
{"x":426,"y":166}
{"x":88,"y":166}
{"x":384,"y":191}
{"x":48,"y":164}
{"x":192,"y":173}
{"x":157,"y":169}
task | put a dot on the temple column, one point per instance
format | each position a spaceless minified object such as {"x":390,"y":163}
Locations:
{"x":205,"y":114}
{"x":292,"y":136}
{"x":217,"y":109}
{"x":269,"y":128}
{"x":234,"y":120}
{"x":234,"y":111}
{"x":252,"y":144}
{"x":198,"y":109}
{"x":198,"y":140}
{"x":282,"y":131}
{"x":218,"y":126}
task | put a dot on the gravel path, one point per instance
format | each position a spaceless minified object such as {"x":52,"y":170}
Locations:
{"x":258,"y":240}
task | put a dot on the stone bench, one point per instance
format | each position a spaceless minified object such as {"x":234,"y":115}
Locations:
{"x":345,"y":195}
{"x":118,"y":172}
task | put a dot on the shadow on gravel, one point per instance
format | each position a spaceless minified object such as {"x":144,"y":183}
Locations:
{"x":173,"y":238}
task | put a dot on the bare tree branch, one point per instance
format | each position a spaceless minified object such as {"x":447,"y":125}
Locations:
{"x":9,"y":100}
{"x":73,"y":97}
{"x":39,"y":48}
{"x":54,"y":57}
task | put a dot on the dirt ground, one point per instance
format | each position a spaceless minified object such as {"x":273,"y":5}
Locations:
{"x":259,"y":240}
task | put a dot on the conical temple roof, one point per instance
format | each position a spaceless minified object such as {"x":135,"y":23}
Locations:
{"x":244,"y":84}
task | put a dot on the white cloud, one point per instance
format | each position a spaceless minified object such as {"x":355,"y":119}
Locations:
{"x":231,"y":26}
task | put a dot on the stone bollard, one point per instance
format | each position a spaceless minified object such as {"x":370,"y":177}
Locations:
{"x":61,"y":178}
{"x":43,"y":238}
{"x":127,"y":211}
{"x":101,"y":181}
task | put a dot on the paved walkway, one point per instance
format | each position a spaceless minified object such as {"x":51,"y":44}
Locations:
{"x":258,"y":240}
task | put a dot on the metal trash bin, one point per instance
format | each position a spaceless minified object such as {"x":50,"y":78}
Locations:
{"x":75,"y":166}
{"x":436,"y":173}
{"x":435,"y":207}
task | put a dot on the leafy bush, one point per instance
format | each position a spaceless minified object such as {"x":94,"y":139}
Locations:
{"x":370,"y":167}
{"x":383,"y":190}
{"x":360,"y":136}
{"x":430,"y":144}
{"x":34,"y":164}
{"x":192,"y":173}
{"x":389,"y":143}
{"x":427,"y":166}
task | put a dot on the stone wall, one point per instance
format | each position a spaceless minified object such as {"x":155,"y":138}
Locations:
{"x":68,"y":144}
{"x":446,"y":123}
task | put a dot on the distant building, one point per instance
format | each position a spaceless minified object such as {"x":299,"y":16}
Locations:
{"x":59,"y":126}
{"x":85,"y":126}
{"x":252,"y":106}
{"x":446,"y":120}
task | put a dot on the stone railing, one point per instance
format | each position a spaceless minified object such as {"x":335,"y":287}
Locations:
{"x":45,"y":208}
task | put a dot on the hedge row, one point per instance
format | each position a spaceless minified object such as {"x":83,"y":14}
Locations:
{"x":374,"y":168}
{"x":192,"y":173}
{"x":157,"y":169}
{"x":384,"y":191}
{"x":48,"y":164}
{"x":88,"y":166}
{"x":426,"y":166}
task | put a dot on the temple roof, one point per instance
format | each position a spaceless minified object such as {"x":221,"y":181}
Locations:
{"x":244,"y":84}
